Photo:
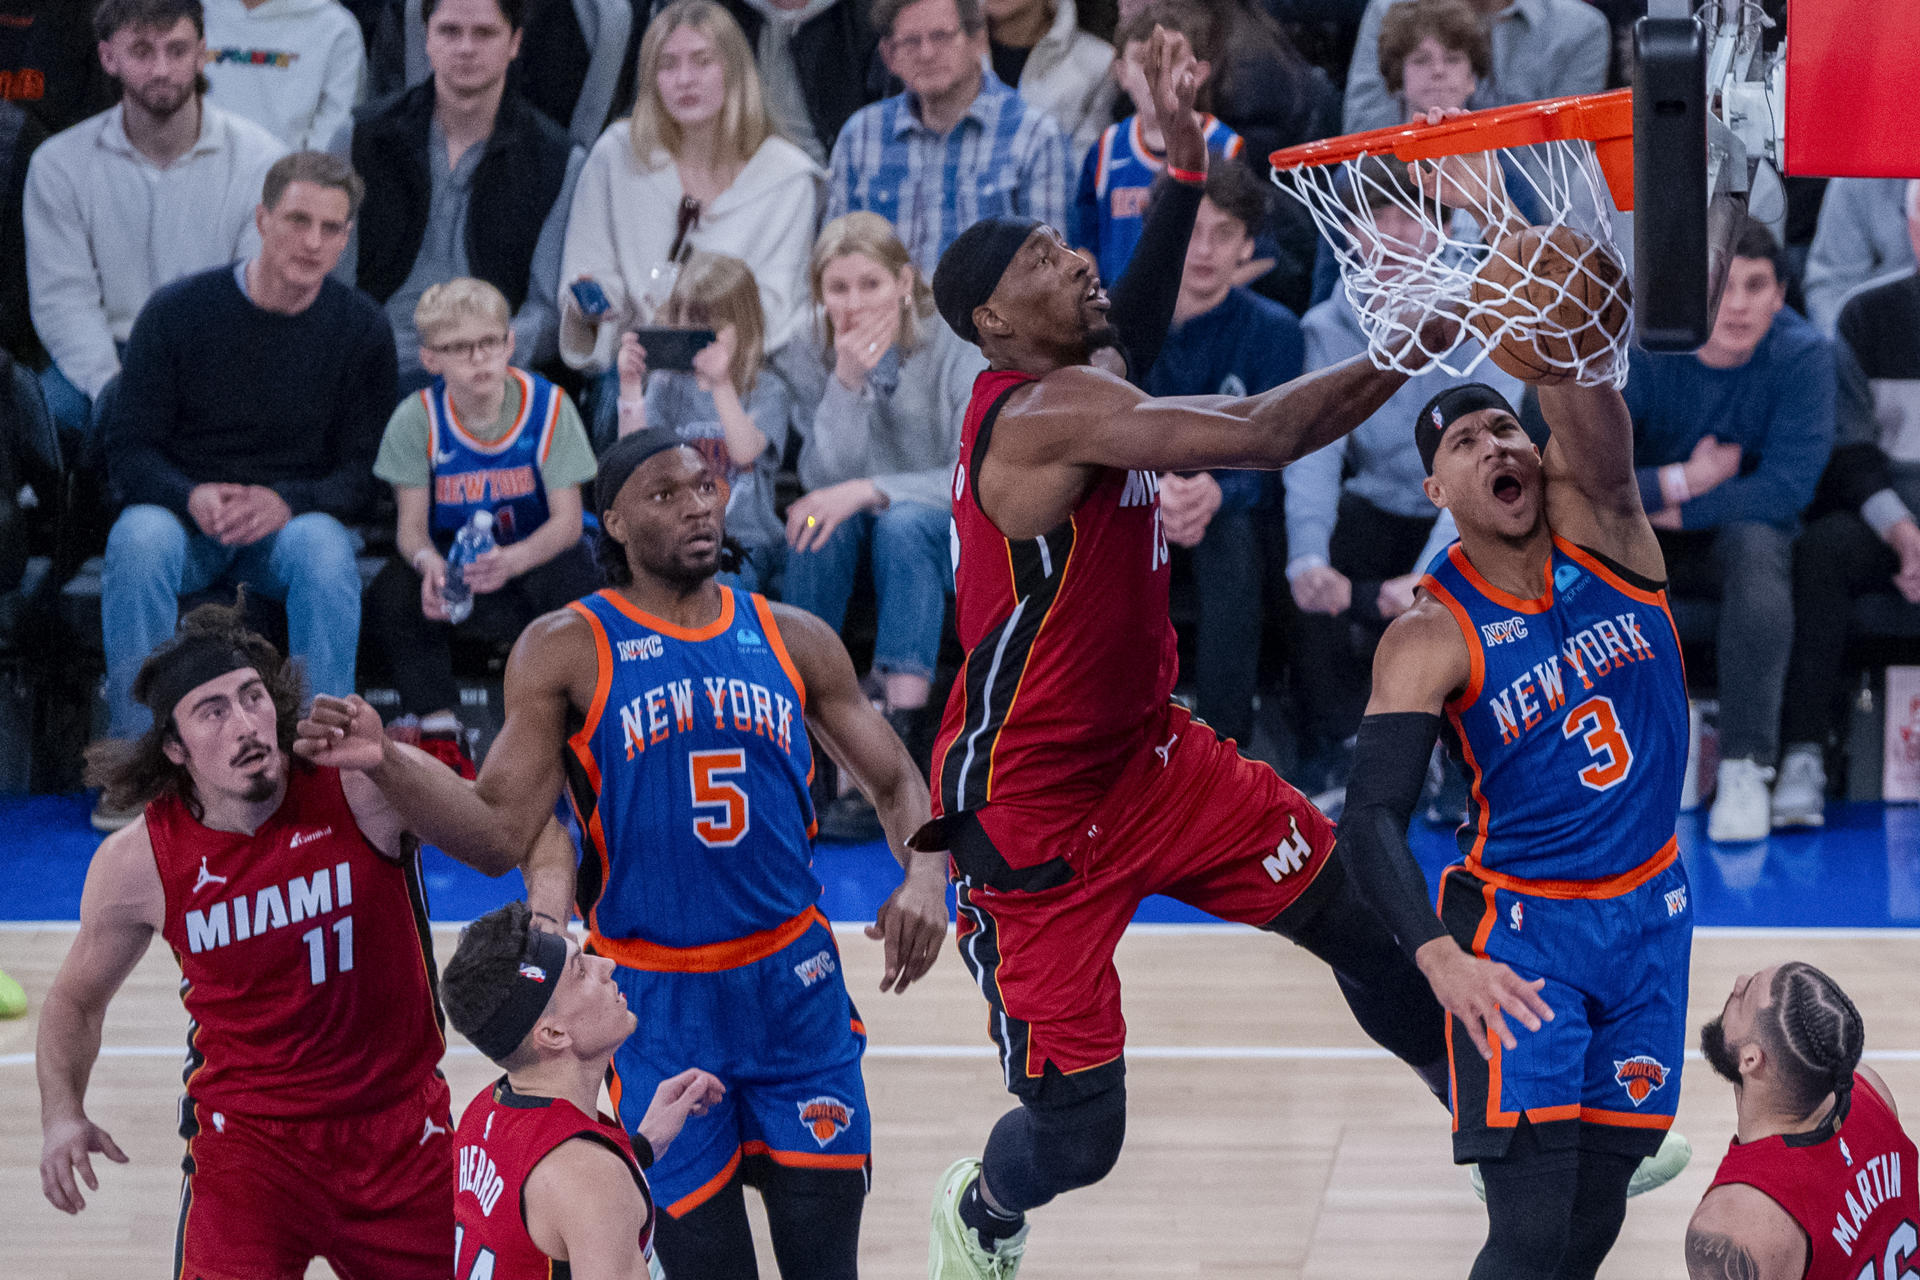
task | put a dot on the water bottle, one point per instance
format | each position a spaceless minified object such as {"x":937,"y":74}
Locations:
{"x":475,"y":539}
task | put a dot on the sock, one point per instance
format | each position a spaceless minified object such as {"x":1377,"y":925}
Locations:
{"x":984,"y":1220}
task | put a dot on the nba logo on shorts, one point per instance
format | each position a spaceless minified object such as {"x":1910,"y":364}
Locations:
{"x":825,"y":1118}
{"x":1639,"y":1076}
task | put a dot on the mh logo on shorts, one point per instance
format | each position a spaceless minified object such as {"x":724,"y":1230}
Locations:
{"x":826,"y":1118}
{"x":1639,"y":1076}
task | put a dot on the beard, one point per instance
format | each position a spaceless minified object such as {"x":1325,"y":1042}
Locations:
{"x":1719,"y":1055}
{"x":161,"y":98}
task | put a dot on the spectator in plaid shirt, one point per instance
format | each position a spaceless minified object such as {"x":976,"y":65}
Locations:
{"x":956,"y":147}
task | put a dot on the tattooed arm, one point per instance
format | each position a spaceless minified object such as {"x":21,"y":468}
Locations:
{"x":1741,"y":1233}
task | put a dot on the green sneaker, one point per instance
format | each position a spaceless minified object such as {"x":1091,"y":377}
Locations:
{"x":13,"y":1001}
{"x":1663,"y":1166}
{"x":1657,"y":1170}
{"x":954,"y":1253}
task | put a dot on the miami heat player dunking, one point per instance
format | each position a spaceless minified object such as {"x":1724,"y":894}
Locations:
{"x":1067,"y":784}
{"x":315,"y":1117}
{"x":549,"y":1187}
{"x":1819,"y":1180}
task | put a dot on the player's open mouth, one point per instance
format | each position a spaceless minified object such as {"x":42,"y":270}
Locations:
{"x":252,"y":757}
{"x":1507,"y":489}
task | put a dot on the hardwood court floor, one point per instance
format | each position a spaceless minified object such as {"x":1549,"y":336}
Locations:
{"x":1244,"y":1156}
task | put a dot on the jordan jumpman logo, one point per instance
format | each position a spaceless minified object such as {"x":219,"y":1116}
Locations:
{"x":206,"y":877}
{"x":431,"y":1129}
{"x":1166,"y":753}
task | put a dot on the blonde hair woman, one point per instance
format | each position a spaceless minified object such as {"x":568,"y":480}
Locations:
{"x":879,"y":388}
{"x":697,"y":166}
{"x":725,"y":406}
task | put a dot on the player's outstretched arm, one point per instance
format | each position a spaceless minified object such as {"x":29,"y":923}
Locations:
{"x":583,"y":1208}
{"x":1593,"y":498}
{"x":913,"y":920}
{"x":121,"y":908}
{"x":1084,"y":417}
{"x":490,"y":824}
{"x":1740,"y":1233}
{"x":1422,"y":660}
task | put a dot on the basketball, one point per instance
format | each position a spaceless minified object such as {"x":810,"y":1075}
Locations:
{"x":1546,"y":301}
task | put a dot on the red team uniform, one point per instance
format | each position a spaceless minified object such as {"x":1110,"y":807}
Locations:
{"x":503,"y":1136}
{"x":1069,"y":784}
{"x":315,"y":1117}
{"x":1853,"y":1194}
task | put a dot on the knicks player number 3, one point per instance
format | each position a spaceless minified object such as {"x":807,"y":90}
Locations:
{"x":711,"y":774}
{"x":1595,"y":724}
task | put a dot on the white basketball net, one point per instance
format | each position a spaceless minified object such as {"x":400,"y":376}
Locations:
{"x":1396,"y":287}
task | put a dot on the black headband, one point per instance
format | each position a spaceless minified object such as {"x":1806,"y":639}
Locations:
{"x":1444,"y":409}
{"x":542,"y":961}
{"x":971,"y":268}
{"x":625,"y":455}
{"x":192,"y":663}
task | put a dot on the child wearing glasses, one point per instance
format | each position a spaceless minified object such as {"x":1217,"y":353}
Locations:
{"x":484,"y":436}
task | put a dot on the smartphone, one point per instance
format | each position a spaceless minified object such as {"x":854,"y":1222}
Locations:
{"x":592,"y":298}
{"x":673,"y":348}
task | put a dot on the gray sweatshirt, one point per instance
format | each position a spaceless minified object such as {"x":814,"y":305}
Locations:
{"x":905,"y":438}
{"x":675,"y":401}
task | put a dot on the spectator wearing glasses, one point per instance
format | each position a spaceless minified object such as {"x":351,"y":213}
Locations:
{"x":957,"y":146}
{"x":158,"y":187}
{"x":483,"y":435}
{"x":698,"y":166}
{"x":242,"y":437}
{"x":464,"y":178}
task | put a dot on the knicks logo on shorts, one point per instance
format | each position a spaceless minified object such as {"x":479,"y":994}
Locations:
{"x":1639,"y":1076}
{"x":825,"y":1118}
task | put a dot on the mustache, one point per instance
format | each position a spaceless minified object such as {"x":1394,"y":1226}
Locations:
{"x":250,"y":749}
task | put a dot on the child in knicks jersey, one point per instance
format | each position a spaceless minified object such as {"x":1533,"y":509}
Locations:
{"x":484,"y":436}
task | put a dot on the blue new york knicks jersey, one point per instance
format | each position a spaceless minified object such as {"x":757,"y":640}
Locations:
{"x":1121,"y":170}
{"x":690,"y":778}
{"x":1573,"y":724}
{"x":501,"y":476}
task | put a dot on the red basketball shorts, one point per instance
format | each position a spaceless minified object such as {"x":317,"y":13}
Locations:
{"x":1189,"y":817}
{"x":371,"y":1193}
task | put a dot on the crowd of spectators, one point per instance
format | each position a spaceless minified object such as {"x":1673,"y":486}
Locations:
{"x":309,"y":279}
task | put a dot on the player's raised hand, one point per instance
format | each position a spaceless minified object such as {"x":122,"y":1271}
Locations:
{"x":1174,"y":76}
{"x":68,"y":1146}
{"x":690,"y":1093}
{"x":1479,"y":991}
{"x":341,"y":733}
{"x":913,"y":921}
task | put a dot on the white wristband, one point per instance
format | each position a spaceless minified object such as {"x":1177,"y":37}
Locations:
{"x":424,"y":551}
{"x":1673,"y":484}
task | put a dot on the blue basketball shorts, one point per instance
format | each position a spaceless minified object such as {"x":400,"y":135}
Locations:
{"x":1604,"y":1074}
{"x":782,"y":1034}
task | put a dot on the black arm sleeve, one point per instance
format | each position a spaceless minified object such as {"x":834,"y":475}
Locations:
{"x":1144,"y":296}
{"x":1389,"y":769}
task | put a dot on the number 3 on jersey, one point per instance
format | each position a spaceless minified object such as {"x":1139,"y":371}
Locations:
{"x":1596,"y":725}
{"x":711,"y":774}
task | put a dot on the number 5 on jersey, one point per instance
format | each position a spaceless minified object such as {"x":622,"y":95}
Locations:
{"x":711,"y":774}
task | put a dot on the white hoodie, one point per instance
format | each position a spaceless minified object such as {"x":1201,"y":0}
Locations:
{"x":622,"y":225}
{"x":294,"y":67}
{"x":1066,"y":76}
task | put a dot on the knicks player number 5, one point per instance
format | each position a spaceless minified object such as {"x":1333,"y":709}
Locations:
{"x":711,"y":774}
{"x":1596,"y":725}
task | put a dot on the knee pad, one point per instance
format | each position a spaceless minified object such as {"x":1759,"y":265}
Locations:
{"x":1080,"y":1142}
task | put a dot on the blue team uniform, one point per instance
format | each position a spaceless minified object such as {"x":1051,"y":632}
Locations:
{"x":690,"y":778}
{"x":501,"y":476}
{"x":1573,"y":732}
{"x":1110,"y":206}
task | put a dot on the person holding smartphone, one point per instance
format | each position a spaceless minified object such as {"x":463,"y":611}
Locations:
{"x":698,"y":166}
{"x":721,"y":400}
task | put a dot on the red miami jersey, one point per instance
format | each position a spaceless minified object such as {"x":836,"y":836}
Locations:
{"x":1853,"y":1194}
{"x":1070,"y":652}
{"x":305,"y":962}
{"x":502,"y":1136}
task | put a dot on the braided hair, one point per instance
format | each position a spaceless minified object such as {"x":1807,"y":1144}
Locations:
{"x":1816,"y":1037}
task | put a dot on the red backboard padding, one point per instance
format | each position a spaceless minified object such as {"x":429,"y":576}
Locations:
{"x":1853,"y":88}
